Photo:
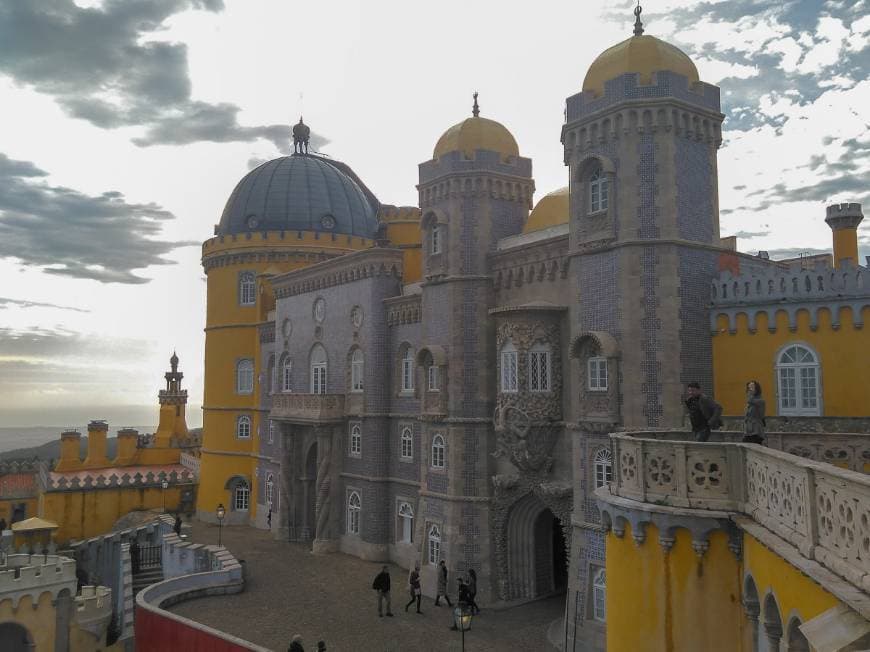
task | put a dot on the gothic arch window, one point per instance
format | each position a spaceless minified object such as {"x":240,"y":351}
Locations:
{"x":436,"y":236}
{"x":356,"y":370}
{"x":438,"y":451}
{"x":243,"y":427}
{"x":407,"y":374}
{"x":270,"y":375}
{"x":599,"y":595}
{"x":539,"y":368}
{"x":318,"y":369}
{"x":797,"y":373}
{"x":509,"y":368}
{"x":434,"y":540}
{"x":354,"y":507}
{"x":596,"y":374}
{"x":270,"y":490}
{"x":599,"y":193}
{"x":287,"y":375}
{"x":355,"y":446}
{"x":406,"y":445}
{"x":433,"y":377}
{"x":245,"y":376}
{"x":271,"y":431}
{"x":241,"y":497}
{"x":247,"y":289}
{"x":406,"y":522}
{"x":603,"y":467}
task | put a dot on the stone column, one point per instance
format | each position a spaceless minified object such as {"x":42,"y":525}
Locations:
{"x":324,"y":540}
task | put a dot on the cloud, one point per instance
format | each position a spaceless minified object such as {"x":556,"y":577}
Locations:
{"x":56,"y":344}
{"x":104,"y":65}
{"x":67,"y":233}
{"x":5,"y":301}
{"x":748,"y":235}
{"x":796,"y":252}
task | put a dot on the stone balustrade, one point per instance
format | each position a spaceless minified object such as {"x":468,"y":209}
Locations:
{"x":308,"y":408}
{"x":190,"y":462}
{"x":820,"y":509}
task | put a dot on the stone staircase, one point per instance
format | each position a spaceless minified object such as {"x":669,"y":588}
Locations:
{"x":146,"y":577}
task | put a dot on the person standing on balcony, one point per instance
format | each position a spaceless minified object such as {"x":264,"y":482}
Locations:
{"x":753,"y":422}
{"x":704,"y":413}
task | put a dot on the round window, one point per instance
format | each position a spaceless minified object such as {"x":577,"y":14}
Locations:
{"x":328,"y":222}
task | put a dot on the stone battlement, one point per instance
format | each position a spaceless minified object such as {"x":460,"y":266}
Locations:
{"x":852,"y":209}
{"x":93,"y":604}
{"x":114,"y":478}
{"x":36,"y":574}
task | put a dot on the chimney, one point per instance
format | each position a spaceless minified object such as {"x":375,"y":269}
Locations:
{"x":127,"y":440}
{"x":97,"y":445}
{"x":70,"y":443}
{"x":844,"y":220}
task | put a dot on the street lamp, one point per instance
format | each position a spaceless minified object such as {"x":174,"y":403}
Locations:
{"x":462,"y":620}
{"x":220,"y":512}
{"x":165,"y":486}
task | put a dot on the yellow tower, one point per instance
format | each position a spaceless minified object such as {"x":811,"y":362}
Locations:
{"x":287,"y":213}
{"x":844,"y":220}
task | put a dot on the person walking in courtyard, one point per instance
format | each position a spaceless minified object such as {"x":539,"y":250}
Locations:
{"x":442,"y":585}
{"x":472,"y":591}
{"x":463,"y":599}
{"x":382,"y":586}
{"x":753,"y":422}
{"x":296,"y":644}
{"x":704,"y":413}
{"x":414,"y":588}
{"x":177,"y":527}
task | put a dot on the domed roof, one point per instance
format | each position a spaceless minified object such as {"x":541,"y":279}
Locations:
{"x":300,"y":193}
{"x":477,"y":133}
{"x":552,"y":209}
{"x":641,"y":54}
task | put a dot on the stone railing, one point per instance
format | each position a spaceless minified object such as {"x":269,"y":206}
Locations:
{"x":308,"y":408}
{"x":191,"y":462}
{"x":822,"y":510}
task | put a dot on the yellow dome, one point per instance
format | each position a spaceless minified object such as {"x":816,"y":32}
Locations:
{"x":477,"y":133}
{"x":641,"y":54}
{"x":551,"y":210}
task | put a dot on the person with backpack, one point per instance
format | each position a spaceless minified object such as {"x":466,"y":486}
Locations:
{"x":704,"y":413}
{"x":382,"y":586}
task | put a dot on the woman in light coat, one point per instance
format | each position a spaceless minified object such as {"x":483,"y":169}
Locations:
{"x":753,"y":421}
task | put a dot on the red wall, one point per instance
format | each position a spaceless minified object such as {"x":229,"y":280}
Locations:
{"x":158,"y":633}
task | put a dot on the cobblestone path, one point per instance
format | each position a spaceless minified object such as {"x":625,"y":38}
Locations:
{"x":291,"y":591}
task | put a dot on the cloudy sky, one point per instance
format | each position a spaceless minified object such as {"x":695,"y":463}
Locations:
{"x":126,"y":124}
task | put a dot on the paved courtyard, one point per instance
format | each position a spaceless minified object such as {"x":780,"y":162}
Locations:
{"x":291,"y":591}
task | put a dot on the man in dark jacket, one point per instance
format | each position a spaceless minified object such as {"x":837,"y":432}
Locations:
{"x":382,"y":586}
{"x":704,"y":413}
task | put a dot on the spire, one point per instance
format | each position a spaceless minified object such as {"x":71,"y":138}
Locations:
{"x":475,"y":110}
{"x":638,"y":26}
{"x":173,"y":362}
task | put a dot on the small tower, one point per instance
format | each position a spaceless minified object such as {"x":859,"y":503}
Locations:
{"x":844,"y":220}
{"x":173,"y":400}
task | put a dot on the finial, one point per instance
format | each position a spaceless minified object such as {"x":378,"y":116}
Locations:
{"x":638,"y":26}
{"x":475,"y":110}
{"x":173,"y":361}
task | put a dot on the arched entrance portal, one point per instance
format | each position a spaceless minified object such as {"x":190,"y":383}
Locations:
{"x":537,"y":559}
{"x":15,"y":638}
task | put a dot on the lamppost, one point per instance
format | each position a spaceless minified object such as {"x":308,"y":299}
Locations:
{"x":165,"y":485}
{"x":220,"y":512}
{"x":462,"y":620}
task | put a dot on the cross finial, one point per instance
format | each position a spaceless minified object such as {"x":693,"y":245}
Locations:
{"x":475,"y":110}
{"x":638,"y":26}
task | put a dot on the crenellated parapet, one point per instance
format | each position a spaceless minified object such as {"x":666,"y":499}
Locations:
{"x":369,"y":263}
{"x":32,"y":575}
{"x":405,"y":309}
{"x":94,"y":609}
{"x":790,"y":290}
{"x":112,"y":478}
{"x":19,"y":466}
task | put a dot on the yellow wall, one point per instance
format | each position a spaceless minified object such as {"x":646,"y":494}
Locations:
{"x":403,"y":231}
{"x":845,"y":246}
{"x":844,"y":356}
{"x":39,"y":618}
{"x":669,"y":601}
{"x":7,"y":507}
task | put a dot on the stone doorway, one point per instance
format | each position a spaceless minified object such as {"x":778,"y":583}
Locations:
{"x":15,"y":638}
{"x":537,"y":556}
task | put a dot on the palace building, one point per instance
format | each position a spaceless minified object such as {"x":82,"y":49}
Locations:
{"x":440,"y":381}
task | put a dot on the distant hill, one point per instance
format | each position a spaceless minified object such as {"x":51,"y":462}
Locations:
{"x":51,"y":450}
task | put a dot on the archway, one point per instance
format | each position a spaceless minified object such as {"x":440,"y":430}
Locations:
{"x":537,"y":559}
{"x":15,"y":638}
{"x":309,"y":485}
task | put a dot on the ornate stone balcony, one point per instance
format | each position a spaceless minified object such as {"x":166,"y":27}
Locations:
{"x":308,"y":408}
{"x":820,"y":509}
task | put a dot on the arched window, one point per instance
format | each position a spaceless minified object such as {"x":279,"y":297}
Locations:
{"x":797,"y":371}
{"x":247,"y":289}
{"x":271,"y":431}
{"x":270,"y":376}
{"x":270,"y":490}
{"x":598,"y":192}
{"x":539,"y":368}
{"x":599,"y":595}
{"x":795,"y":638}
{"x":407,"y":444}
{"x":354,"y":507}
{"x":596,"y":374}
{"x":243,"y":427}
{"x":241,"y":497}
{"x":245,"y":376}
{"x":406,"y":523}
{"x":408,"y":370}
{"x":438,"y":452}
{"x":433,"y":378}
{"x":356,"y":371}
{"x":434,"y":545}
{"x":355,"y":440}
{"x":603,"y":468}
{"x":318,"y":370}
{"x":436,"y":238}
{"x":509,"y":367}
{"x":287,"y":375}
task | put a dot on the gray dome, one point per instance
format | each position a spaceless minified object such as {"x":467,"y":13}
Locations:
{"x":301,"y":193}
